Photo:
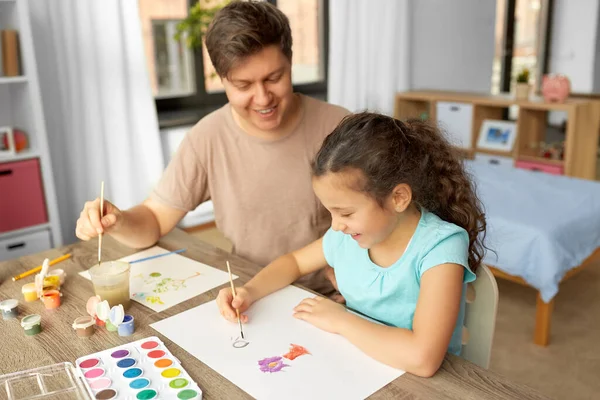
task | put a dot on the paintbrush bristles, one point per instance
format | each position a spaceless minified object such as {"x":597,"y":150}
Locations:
{"x":101,"y":215}
{"x":233,"y":292}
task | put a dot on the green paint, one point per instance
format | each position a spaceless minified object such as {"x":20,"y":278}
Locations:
{"x":178,"y":383}
{"x":109,"y":326}
{"x":187,"y":394}
{"x":147,"y":394}
{"x":155,"y":274}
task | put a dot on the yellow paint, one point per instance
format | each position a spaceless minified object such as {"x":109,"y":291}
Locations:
{"x":171,"y":373}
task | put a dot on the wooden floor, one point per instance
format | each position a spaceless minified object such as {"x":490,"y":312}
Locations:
{"x":568,"y":368}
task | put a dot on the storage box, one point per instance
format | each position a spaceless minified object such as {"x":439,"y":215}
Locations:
{"x":22,"y":202}
{"x":25,"y":244}
{"x":540,"y":166}
{"x":500,"y":161}
{"x":455,"y":120}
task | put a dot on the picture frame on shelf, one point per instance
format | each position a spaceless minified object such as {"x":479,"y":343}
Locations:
{"x":7,"y":142}
{"x":497,"y":135}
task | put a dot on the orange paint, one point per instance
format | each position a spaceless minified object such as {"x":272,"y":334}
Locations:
{"x":163,"y":363}
{"x":295,"y":351}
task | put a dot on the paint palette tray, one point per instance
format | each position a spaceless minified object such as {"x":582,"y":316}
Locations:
{"x":140,"y":370}
{"x":57,"y":382}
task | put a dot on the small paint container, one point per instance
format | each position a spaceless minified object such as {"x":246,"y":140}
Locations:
{"x":106,"y":394}
{"x":51,"y":299}
{"x":10,"y":308}
{"x":127,"y":327}
{"x":84,"y":326}
{"x":109,"y":326}
{"x":170,"y":373}
{"x":29,"y":292}
{"x":32,"y":324}
{"x":60,"y":273}
{"x":51,"y":282}
{"x":102,"y":310}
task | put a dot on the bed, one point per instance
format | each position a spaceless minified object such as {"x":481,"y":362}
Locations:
{"x":542,"y":229}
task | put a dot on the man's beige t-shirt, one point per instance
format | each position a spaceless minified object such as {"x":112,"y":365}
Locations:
{"x":261,"y":189}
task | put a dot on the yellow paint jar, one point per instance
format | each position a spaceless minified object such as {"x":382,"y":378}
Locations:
{"x":52,"y":281}
{"x":29,"y":292}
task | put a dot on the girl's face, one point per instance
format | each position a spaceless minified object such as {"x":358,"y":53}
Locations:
{"x":353,"y":212}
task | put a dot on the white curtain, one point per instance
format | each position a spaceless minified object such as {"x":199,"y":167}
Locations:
{"x":99,"y":109}
{"x":369,"y":53}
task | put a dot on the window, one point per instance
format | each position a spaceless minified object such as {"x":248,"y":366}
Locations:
{"x":522,"y":39}
{"x":184,"y":79}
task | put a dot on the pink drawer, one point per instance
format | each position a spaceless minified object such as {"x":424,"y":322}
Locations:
{"x":540,"y":166}
{"x":21,"y":195}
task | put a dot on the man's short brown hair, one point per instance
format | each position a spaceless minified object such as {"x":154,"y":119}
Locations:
{"x":243,"y":28}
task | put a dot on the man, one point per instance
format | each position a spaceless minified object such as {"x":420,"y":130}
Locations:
{"x":250,"y":157}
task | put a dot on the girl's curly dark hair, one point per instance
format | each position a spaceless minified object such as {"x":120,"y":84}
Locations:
{"x":390,"y":152}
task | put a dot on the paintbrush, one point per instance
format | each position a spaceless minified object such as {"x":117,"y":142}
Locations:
{"x":233,"y":291}
{"x":101,"y":215}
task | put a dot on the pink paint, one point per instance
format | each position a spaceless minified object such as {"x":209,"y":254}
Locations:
{"x":101,"y":383}
{"x":94,"y":373}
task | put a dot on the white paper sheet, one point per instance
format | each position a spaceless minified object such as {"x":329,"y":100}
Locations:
{"x":163,"y":282}
{"x":334,"y":368}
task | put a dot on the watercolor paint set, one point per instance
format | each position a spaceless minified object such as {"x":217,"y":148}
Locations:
{"x":140,"y":370}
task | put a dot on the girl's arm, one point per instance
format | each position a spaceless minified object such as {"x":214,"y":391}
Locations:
{"x":287,"y":269}
{"x":278,"y":274}
{"x":419,"y":351}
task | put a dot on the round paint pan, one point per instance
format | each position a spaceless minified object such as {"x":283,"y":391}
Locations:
{"x":126,"y":363}
{"x":179,"y":383}
{"x":156,"y":354}
{"x":133,"y":373}
{"x":188,"y":394}
{"x":163,"y":363}
{"x":89,"y":363}
{"x":139,"y":383}
{"x":147,"y":394}
{"x":94,"y":373}
{"x":170,"y":373}
{"x":106,"y":394}
{"x":149,"y":345}
{"x":120,"y":353}
{"x":100,"y":383}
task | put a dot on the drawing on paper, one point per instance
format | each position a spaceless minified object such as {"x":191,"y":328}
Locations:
{"x":272,"y":364}
{"x":275,"y":364}
{"x":239,"y":343}
{"x":160,"y":285}
{"x":295,"y":351}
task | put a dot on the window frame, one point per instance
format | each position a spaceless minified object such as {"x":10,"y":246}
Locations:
{"x":201,"y":99}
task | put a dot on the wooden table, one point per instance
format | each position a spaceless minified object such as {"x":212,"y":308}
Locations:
{"x":456,"y":379}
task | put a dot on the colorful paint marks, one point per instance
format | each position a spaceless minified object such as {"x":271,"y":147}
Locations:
{"x":160,"y":285}
{"x":276,"y":364}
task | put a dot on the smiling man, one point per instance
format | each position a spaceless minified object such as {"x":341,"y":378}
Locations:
{"x":251,"y":157}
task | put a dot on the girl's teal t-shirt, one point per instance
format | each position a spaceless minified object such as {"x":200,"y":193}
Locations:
{"x":390,"y":294}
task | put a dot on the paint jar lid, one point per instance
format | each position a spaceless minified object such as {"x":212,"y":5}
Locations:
{"x":102,"y":310}
{"x":8,"y":305}
{"x":29,"y":287}
{"x":30,"y":320}
{"x":117,"y":314}
{"x":83,"y":322}
{"x":92,"y":304}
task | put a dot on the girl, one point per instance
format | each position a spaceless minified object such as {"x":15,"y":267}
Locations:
{"x":405,"y":238}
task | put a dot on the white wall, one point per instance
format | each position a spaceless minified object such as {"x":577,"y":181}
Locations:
{"x":453,"y":44}
{"x":573,"y":48}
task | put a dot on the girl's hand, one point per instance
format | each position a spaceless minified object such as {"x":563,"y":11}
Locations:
{"x":321,"y":312}
{"x":227,"y":303}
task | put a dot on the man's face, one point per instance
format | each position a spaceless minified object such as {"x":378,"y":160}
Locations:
{"x":260,"y":89}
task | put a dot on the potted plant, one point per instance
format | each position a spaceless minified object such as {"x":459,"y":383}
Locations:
{"x":194,"y":26}
{"x":522,"y":85}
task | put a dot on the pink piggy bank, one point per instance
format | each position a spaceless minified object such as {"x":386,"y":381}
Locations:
{"x":556,"y":88}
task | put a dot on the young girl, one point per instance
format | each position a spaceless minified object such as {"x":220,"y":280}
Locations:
{"x":405,"y":238}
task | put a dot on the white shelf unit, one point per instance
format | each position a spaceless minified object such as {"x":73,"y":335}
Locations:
{"x":21,"y":108}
